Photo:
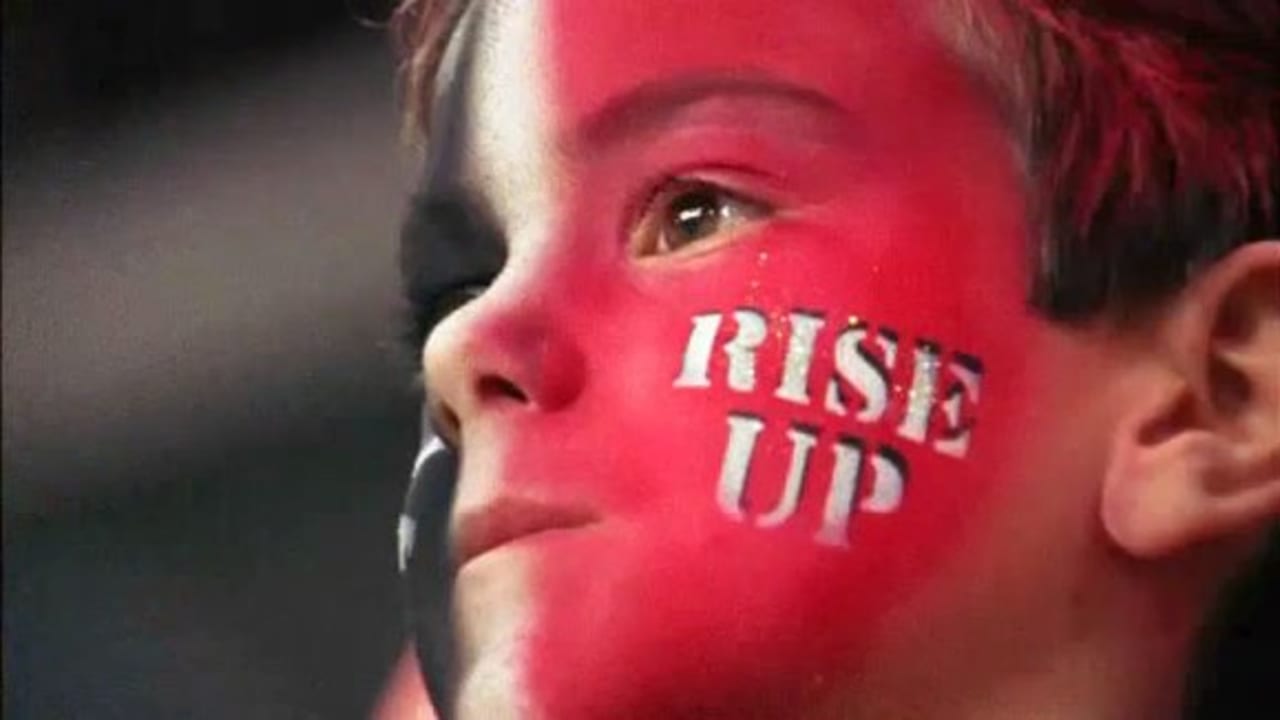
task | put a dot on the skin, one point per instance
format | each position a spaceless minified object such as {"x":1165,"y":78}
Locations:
{"x":875,"y":182}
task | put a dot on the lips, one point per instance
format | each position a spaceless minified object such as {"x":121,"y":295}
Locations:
{"x":510,"y":519}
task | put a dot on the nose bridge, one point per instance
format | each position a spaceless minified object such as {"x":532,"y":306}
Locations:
{"x":512,"y":347}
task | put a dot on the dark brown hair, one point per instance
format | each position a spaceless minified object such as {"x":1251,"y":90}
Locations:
{"x":1149,"y":127}
{"x":420,"y":30}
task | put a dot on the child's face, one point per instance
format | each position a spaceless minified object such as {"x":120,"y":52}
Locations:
{"x":760,"y":340}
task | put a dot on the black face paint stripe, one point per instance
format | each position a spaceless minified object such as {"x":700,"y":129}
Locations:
{"x":447,"y":244}
{"x":450,"y":236}
{"x":427,"y":570}
{"x":461,"y":247}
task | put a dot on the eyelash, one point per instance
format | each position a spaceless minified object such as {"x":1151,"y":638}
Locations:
{"x":651,"y":215}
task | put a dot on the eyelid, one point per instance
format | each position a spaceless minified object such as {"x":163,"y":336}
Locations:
{"x":714,"y":177}
{"x":717,"y":174}
{"x":739,"y":180}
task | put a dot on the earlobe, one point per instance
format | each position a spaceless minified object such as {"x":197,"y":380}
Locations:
{"x":1198,"y":457}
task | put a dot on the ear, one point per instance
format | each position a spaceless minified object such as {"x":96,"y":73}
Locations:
{"x":1198,"y":457}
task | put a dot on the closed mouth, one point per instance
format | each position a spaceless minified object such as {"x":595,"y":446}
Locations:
{"x":508,"y":520}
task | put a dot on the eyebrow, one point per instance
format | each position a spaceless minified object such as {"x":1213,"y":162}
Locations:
{"x":652,"y":106}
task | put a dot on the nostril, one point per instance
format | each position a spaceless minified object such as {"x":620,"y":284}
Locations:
{"x":496,"y":387}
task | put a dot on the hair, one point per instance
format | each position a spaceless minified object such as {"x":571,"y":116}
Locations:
{"x":1149,"y":127}
{"x":1149,"y":130}
{"x":420,"y":31}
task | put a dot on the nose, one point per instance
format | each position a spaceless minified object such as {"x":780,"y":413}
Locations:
{"x":499,"y":354}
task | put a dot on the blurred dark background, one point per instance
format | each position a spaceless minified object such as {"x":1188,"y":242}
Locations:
{"x":207,"y":425}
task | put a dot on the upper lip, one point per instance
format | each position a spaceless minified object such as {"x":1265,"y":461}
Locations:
{"x":508,"y":519}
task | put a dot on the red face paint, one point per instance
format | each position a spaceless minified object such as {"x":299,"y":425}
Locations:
{"x":780,"y":435}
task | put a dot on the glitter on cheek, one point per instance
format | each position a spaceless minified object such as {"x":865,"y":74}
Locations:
{"x":797,"y":362}
{"x":804,"y":328}
{"x":743,"y":375}
{"x":751,"y":334}
{"x":920,"y":398}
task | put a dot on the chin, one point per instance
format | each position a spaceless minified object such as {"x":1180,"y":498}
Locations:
{"x":492,"y":621}
{"x":491,"y":691}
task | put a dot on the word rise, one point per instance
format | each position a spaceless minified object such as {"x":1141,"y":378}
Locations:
{"x":858,"y":368}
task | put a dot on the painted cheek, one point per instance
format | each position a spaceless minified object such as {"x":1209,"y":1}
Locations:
{"x":786,"y":439}
{"x":783,"y":450}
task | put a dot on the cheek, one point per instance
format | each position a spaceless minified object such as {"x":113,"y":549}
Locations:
{"x":786,"y":441}
{"x":758,"y":531}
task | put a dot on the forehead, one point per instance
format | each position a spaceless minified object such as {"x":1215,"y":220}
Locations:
{"x":598,"y":45}
{"x":520,"y":73}
{"x":833,"y":46}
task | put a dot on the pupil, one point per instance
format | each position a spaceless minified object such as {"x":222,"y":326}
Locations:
{"x":696,"y":214}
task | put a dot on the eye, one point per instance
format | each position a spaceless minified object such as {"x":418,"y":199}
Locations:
{"x":684,"y":212}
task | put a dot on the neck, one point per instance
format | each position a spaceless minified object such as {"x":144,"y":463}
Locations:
{"x":1091,"y":674}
